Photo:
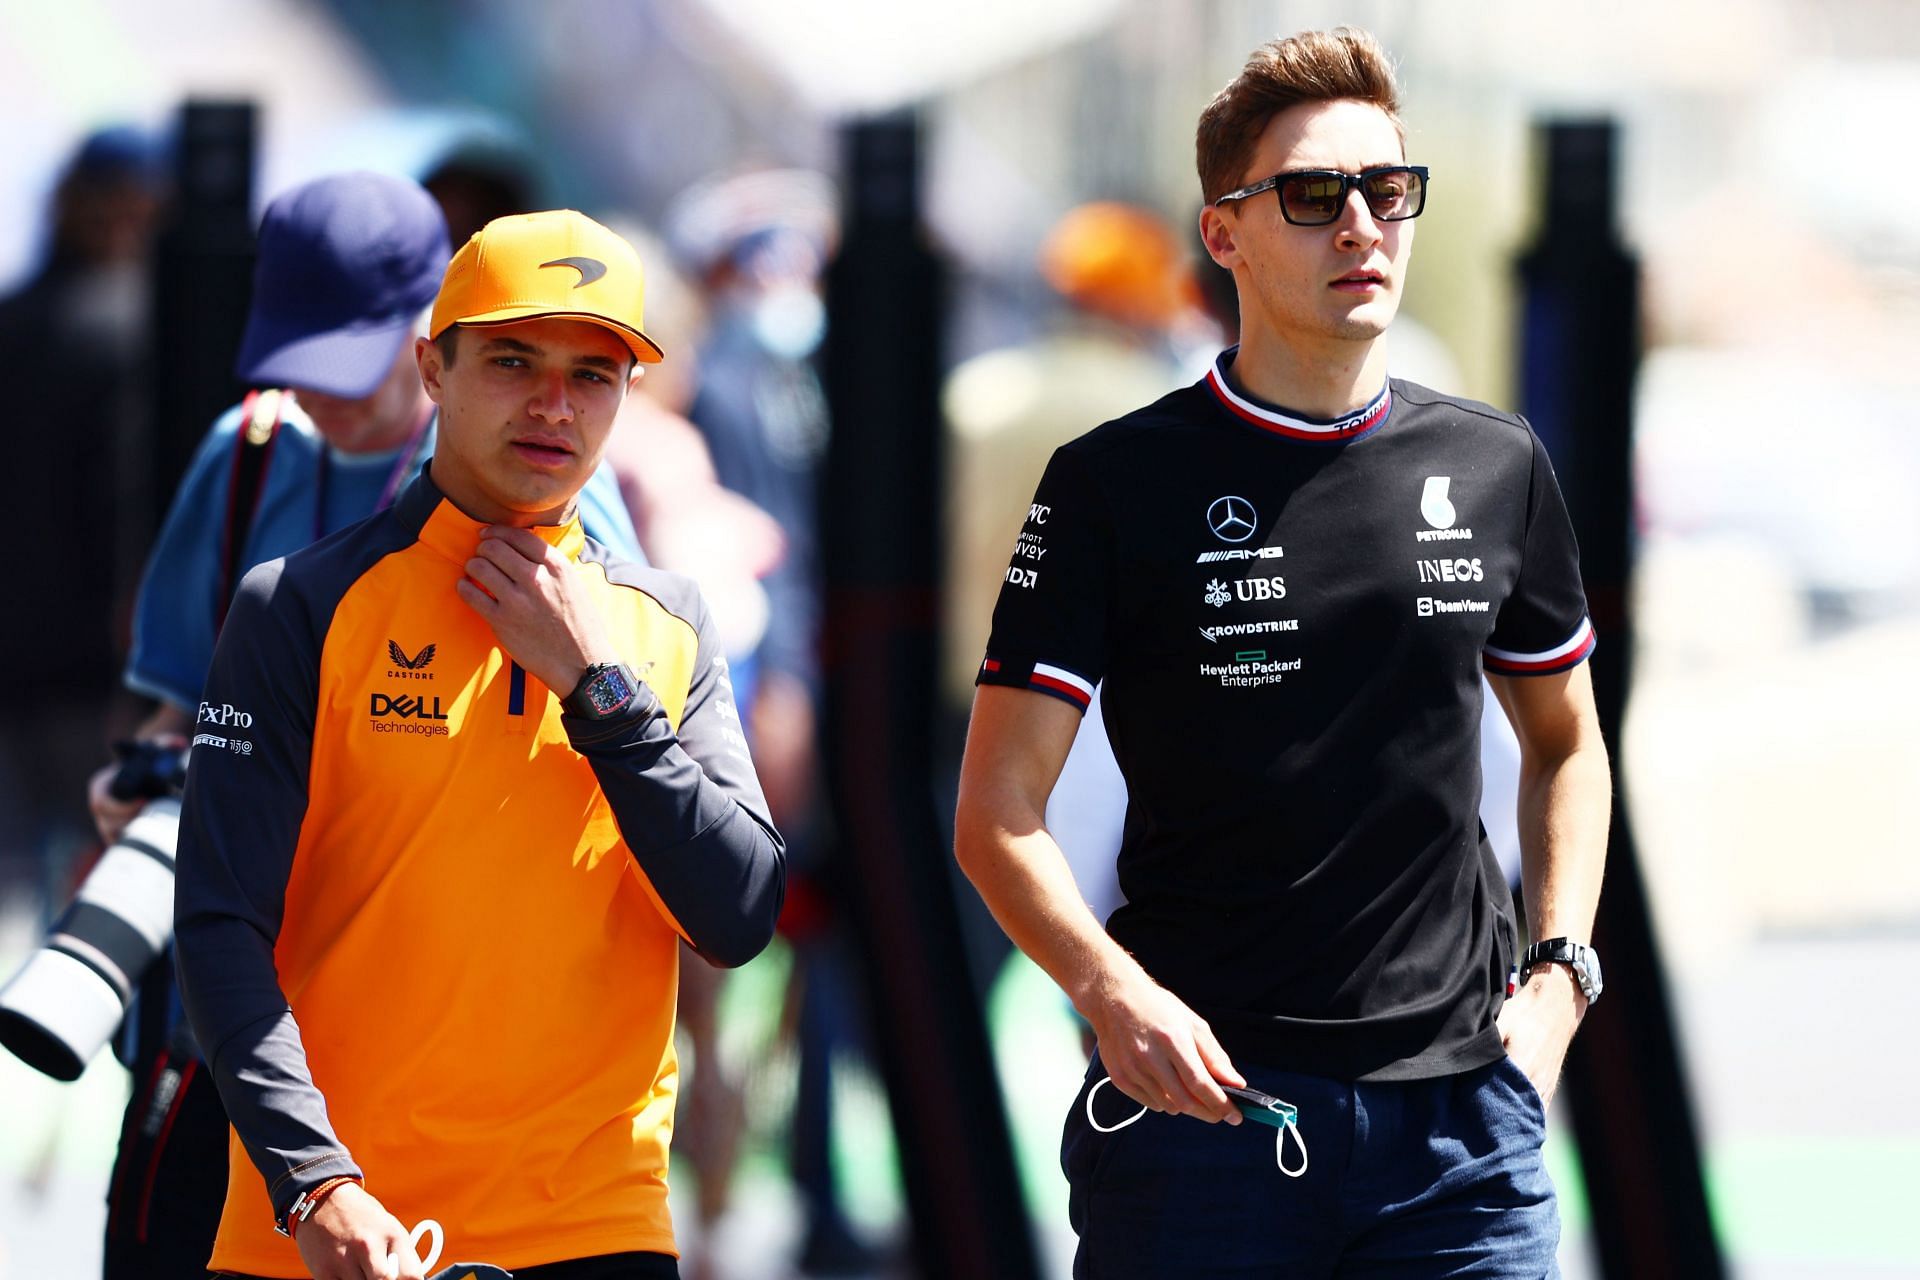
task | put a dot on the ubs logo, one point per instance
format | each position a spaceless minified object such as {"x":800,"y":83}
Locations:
{"x":1231,"y":518}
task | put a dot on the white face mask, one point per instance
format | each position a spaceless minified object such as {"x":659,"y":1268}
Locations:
{"x":1283,"y":1116}
{"x":790,"y":320}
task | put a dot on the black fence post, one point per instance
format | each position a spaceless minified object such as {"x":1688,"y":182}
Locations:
{"x":881,"y":538}
{"x":203,"y":282}
{"x":1632,"y":1112}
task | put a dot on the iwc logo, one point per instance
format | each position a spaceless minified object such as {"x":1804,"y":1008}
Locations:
{"x":1231,"y":518}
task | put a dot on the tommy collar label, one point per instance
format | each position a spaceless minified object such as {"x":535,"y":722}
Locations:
{"x":1293,"y":426}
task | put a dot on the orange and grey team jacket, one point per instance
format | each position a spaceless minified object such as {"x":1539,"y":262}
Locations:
{"x":428,"y":925}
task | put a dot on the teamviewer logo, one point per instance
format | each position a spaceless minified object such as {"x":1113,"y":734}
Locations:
{"x":1425,"y":606}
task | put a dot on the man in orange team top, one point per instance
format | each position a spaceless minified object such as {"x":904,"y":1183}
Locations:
{"x":461,"y":781}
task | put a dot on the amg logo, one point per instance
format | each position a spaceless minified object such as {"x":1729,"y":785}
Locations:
{"x":1240,"y":553}
{"x":1451,"y":570}
{"x":405,"y":706}
{"x":1442,"y":535}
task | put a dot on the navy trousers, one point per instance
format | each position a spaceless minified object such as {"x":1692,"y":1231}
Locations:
{"x":1405,"y":1181}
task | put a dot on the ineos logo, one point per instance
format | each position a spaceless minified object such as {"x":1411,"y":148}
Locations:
{"x":224,"y":715}
{"x":1231,"y":519}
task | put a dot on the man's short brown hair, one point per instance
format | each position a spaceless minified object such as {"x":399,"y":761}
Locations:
{"x":1313,"y":66}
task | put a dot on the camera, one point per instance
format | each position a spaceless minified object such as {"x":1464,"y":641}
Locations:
{"x":65,"y":1002}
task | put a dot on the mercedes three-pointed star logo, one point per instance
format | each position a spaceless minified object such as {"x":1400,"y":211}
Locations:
{"x":1231,"y":519}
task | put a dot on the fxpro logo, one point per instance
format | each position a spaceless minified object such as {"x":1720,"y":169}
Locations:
{"x":1451,"y":570}
{"x":1239,"y":553}
{"x":224,"y":715}
{"x":1272,"y":625}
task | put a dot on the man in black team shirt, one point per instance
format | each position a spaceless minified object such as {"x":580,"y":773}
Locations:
{"x":1291,"y":576}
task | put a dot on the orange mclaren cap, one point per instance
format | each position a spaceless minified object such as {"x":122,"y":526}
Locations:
{"x":559,"y":263}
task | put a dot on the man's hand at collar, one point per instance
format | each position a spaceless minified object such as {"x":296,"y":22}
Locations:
{"x":541,"y":612}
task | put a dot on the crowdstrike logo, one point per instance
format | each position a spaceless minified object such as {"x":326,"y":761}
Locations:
{"x":1213,"y":635}
{"x":1231,"y":518}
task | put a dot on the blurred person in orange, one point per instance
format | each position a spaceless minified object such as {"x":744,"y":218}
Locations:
{"x":758,"y":242}
{"x":693,"y":525}
{"x":463,"y":781}
{"x":1132,"y":310}
{"x":1290,"y":576}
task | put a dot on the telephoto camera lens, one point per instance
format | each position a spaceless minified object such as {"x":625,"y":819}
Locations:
{"x":63,"y":1005}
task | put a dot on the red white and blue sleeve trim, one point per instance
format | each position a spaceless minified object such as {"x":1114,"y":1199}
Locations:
{"x":1040,"y":677}
{"x":1547,"y":662}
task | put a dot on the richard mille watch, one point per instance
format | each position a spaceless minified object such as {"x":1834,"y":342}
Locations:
{"x":1583,"y":960}
{"x":607,"y":689}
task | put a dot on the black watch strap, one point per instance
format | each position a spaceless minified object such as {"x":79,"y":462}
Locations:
{"x":604,"y":691}
{"x":1583,"y":960}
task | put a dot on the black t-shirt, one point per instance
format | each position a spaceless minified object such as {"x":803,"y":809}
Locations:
{"x":1291,"y":618}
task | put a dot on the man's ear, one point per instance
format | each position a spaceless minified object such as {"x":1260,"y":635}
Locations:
{"x":426,"y":354}
{"x":1216,"y":232}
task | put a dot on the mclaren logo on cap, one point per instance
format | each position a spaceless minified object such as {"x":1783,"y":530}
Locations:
{"x":590,"y":269}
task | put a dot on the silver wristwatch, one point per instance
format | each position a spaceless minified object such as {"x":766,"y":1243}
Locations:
{"x":1583,"y":960}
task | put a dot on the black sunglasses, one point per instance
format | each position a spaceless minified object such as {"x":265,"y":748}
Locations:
{"x":1315,"y":197}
